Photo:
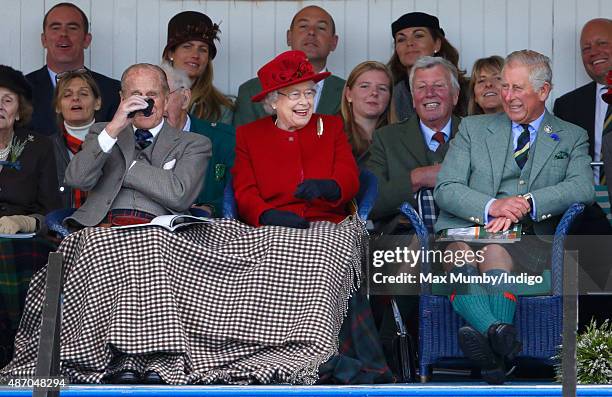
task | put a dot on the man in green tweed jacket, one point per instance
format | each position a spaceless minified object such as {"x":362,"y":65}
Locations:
{"x":521,"y":166}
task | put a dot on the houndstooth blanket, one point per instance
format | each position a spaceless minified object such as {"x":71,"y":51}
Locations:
{"x":221,"y":302}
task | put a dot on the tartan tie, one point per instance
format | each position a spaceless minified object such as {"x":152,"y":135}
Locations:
{"x":607,"y":127}
{"x":439,"y":137}
{"x":142,"y":138}
{"x":521,"y":153}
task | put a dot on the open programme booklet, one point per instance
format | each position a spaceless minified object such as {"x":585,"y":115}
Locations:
{"x":170,"y":222}
{"x":18,"y":235}
{"x":478,"y":234}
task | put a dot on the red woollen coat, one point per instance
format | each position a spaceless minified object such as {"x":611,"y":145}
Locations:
{"x":270,"y":164}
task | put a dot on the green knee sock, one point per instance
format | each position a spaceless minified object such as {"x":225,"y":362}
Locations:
{"x":502,"y":299}
{"x":474,"y":306}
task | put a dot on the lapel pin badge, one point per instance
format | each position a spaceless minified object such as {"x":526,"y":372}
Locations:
{"x":547,"y":129}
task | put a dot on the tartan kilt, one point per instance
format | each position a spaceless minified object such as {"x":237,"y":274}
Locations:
{"x":360,"y":358}
{"x":217,"y":302}
{"x":19,"y":260}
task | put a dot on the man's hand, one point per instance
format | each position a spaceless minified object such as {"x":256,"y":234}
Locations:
{"x":513,"y":208}
{"x":424,"y":177}
{"x":120,"y":119}
{"x":500,"y":224}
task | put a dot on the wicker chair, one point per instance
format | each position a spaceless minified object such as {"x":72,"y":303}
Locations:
{"x":538,"y":319}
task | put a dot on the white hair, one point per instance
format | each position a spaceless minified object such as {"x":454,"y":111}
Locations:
{"x":177,"y":78}
{"x":540,"y":71}
{"x":428,"y":62}
{"x":269,"y":101}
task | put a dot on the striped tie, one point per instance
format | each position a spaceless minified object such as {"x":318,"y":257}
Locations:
{"x":439,"y":137}
{"x":607,"y":127}
{"x":521,"y":153}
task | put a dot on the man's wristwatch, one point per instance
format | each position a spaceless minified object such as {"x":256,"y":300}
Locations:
{"x":529,"y":198}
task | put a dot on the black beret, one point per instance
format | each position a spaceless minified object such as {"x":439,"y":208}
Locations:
{"x":416,"y":19}
{"x":15,"y":81}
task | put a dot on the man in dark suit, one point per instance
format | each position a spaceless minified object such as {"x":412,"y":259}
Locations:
{"x":65,"y":36}
{"x":140,"y":167}
{"x":584,"y":106}
{"x":312,"y":31}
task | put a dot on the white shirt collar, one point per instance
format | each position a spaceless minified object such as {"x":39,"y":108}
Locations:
{"x":187,"y":126}
{"x":319,"y":88}
{"x":52,"y":75}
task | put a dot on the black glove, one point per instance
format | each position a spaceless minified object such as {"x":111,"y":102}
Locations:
{"x":283,"y":218}
{"x":311,"y":189}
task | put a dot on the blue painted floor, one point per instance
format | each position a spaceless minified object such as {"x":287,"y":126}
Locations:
{"x":512,"y":389}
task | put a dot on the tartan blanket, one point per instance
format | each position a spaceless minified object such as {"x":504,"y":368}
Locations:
{"x":19,"y":260}
{"x":219,"y":302}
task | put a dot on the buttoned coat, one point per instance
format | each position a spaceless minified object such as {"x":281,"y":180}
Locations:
{"x":270,"y":164}
{"x":472,"y":170}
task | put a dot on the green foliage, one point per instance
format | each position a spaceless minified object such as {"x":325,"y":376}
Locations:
{"x":593,"y":355}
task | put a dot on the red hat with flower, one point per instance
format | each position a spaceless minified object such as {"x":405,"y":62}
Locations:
{"x":288,"y":68}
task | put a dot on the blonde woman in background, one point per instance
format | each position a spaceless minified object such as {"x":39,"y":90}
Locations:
{"x":485,"y":86}
{"x":366,"y":103}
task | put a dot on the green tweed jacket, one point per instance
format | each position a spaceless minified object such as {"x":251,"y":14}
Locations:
{"x":248,"y":111}
{"x":396,"y":150}
{"x":472,"y":170}
{"x":223,"y":138}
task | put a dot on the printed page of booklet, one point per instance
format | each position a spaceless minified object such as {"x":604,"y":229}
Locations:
{"x":170,"y":222}
{"x":18,"y":235}
{"x":478,"y":234}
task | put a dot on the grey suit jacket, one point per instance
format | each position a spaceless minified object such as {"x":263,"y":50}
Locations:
{"x":472,"y":170}
{"x":104,"y":174}
{"x":396,"y":150}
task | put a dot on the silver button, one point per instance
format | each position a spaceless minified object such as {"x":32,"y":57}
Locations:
{"x":61,"y":189}
{"x":543,"y":216}
{"x":477,"y":220}
{"x":472,"y":218}
{"x":213,"y":124}
{"x":521,"y":182}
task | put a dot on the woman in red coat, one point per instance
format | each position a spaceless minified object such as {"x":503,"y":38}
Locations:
{"x":294,"y":166}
